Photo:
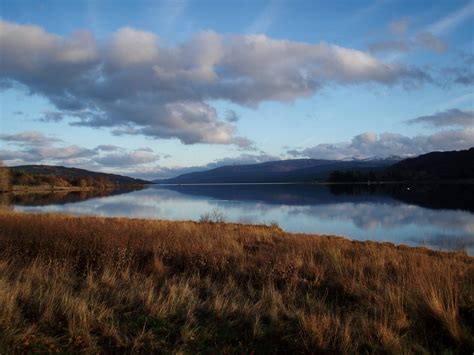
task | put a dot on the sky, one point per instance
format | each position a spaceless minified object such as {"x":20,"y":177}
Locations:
{"x":153,"y":89}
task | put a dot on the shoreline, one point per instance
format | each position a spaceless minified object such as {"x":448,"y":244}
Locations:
{"x":100,"y":285}
{"x":235,"y":225}
{"x":429,"y":182}
{"x":45,"y":189}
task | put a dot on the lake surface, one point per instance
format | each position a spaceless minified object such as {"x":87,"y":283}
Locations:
{"x":437,"y":216}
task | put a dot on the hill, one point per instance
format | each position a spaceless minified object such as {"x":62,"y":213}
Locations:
{"x":292,"y":170}
{"x":434,"y":166}
{"x":72,"y":173}
{"x":439,"y":165}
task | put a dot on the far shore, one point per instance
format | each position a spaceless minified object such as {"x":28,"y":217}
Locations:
{"x":469,"y":181}
{"x":21,"y":189}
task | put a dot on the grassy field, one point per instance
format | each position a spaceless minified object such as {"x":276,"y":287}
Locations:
{"x":75,"y":284}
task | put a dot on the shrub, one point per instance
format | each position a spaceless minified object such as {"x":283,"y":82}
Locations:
{"x":215,"y":216}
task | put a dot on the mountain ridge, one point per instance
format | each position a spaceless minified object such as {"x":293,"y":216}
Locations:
{"x":71,"y":172}
{"x":433,"y":166}
{"x":290,"y":170}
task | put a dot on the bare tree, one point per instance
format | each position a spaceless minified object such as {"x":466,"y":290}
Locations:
{"x":4,"y":178}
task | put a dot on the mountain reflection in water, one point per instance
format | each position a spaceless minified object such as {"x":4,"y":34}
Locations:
{"x":439,"y":216}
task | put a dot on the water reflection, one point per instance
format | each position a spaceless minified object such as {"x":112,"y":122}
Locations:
{"x":57,"y":197}
{"x":438,"y":196}
{"x":440,"y":216}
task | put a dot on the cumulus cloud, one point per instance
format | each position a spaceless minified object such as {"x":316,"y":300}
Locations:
{"x":130,"y":47}
{"x":35,"y":147}
{"x":231,"y":116}
{"x":51,"y":116}
{"x":133,"y":84}
{"x":370,"y":144}
{"x":452,"y":117}
{"x":127,"y":159}
{"x":108,"y":148}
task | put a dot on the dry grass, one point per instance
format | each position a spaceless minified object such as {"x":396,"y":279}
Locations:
{"x":93,"y":284}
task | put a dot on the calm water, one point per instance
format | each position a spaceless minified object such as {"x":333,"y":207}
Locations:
{"x":440,"y":217}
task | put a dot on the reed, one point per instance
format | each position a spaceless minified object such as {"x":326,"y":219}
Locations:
{"x":92,"y":284}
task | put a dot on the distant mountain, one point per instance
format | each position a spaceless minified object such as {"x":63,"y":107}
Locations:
{"x":388,"y":158}
{"x":452,"y":165}
{"x":62,"y":171}
{"x":434,"y":196}
{"x":293,"y":170}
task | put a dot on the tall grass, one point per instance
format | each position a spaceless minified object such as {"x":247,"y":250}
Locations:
{"x":92,"y":284}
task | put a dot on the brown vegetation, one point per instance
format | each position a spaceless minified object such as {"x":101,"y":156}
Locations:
{"x":21,"y":182}
{"x":4,"y":178}
{"x":23,"y":179}
{"x":95,"y":284}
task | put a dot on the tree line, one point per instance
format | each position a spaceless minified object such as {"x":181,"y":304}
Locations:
{"x":380,"y":175}
{"x":21,"y":178}
{"x":434,"y":166}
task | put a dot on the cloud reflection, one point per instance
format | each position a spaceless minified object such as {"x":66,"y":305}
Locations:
{"x":306,"y":209}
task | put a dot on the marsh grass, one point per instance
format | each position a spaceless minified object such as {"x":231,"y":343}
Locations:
{"x":92,"y":284}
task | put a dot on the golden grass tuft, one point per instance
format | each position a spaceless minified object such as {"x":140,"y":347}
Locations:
{"x":93,"y":284}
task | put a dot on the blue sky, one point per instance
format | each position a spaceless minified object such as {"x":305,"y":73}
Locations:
{"x":154,"y":88}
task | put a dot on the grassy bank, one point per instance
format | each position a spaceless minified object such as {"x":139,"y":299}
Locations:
{"x":107,"y":284}
{"x":48,"y":188}
{"x":27,"y":189}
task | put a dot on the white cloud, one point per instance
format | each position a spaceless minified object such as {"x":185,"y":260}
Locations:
{"x":448,"y":118}
{"x":37,"y":148}
{"x":28,"y":137}
{"x":132,"y":47}
{"x":80,"y":48}
{"x":134,"y":85}
{"x":370,"y":144}
{"x":127,"y":159}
